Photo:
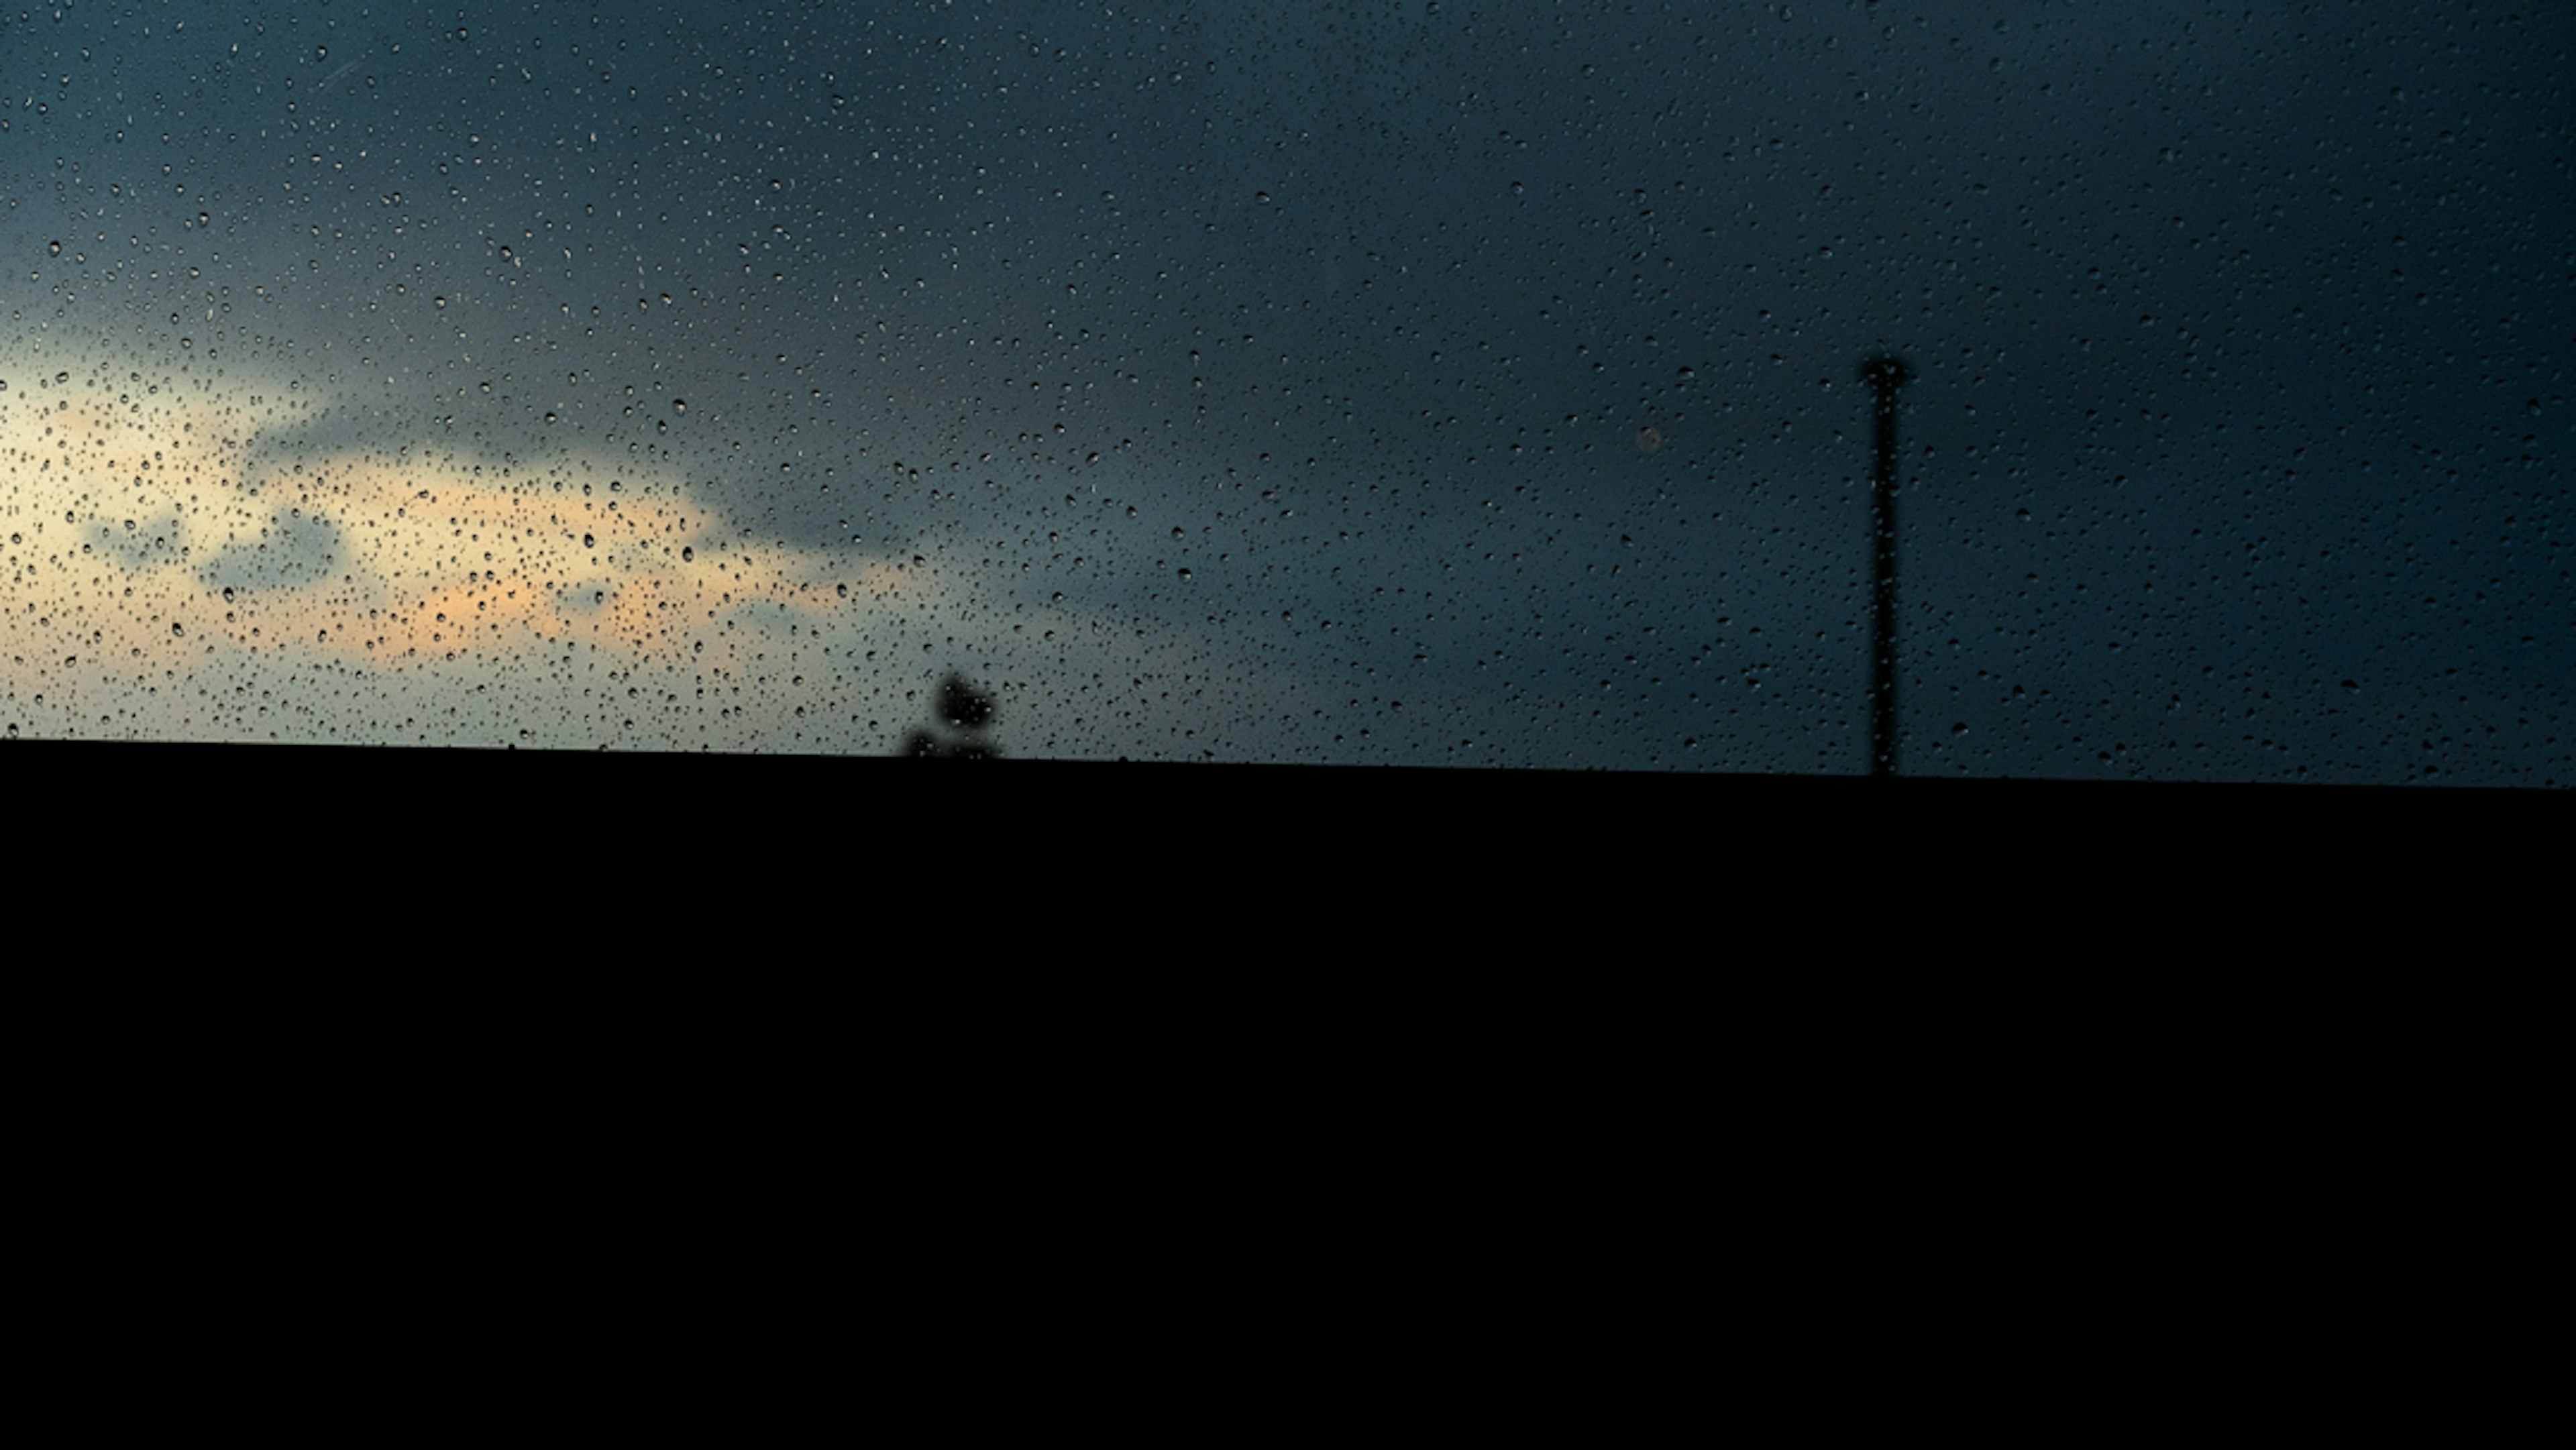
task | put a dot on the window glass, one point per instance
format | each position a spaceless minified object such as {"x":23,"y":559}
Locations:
{"x":1420,"y":383}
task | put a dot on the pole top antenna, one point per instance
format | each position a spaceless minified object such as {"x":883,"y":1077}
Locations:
{"x":1885,"y":370}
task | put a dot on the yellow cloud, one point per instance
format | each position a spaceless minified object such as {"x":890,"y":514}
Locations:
{"x":139,"y":530}
{"x":168,"y":571}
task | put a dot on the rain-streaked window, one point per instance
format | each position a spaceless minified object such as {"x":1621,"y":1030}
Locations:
{"x":1420,"y":383}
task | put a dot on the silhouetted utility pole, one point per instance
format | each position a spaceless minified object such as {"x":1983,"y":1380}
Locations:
{"x":1884,"y":374}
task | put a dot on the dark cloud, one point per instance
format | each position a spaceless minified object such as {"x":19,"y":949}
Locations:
{"x":293,"y":553}
{"x":2239,"y":342}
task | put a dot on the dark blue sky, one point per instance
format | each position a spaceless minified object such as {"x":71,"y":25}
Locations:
{"x":1292,"y":370}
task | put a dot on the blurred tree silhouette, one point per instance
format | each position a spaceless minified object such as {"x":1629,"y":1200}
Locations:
{"x":965,"y":717}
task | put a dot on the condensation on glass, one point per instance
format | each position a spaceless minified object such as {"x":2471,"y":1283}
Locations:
{"x":1346,"y":384}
